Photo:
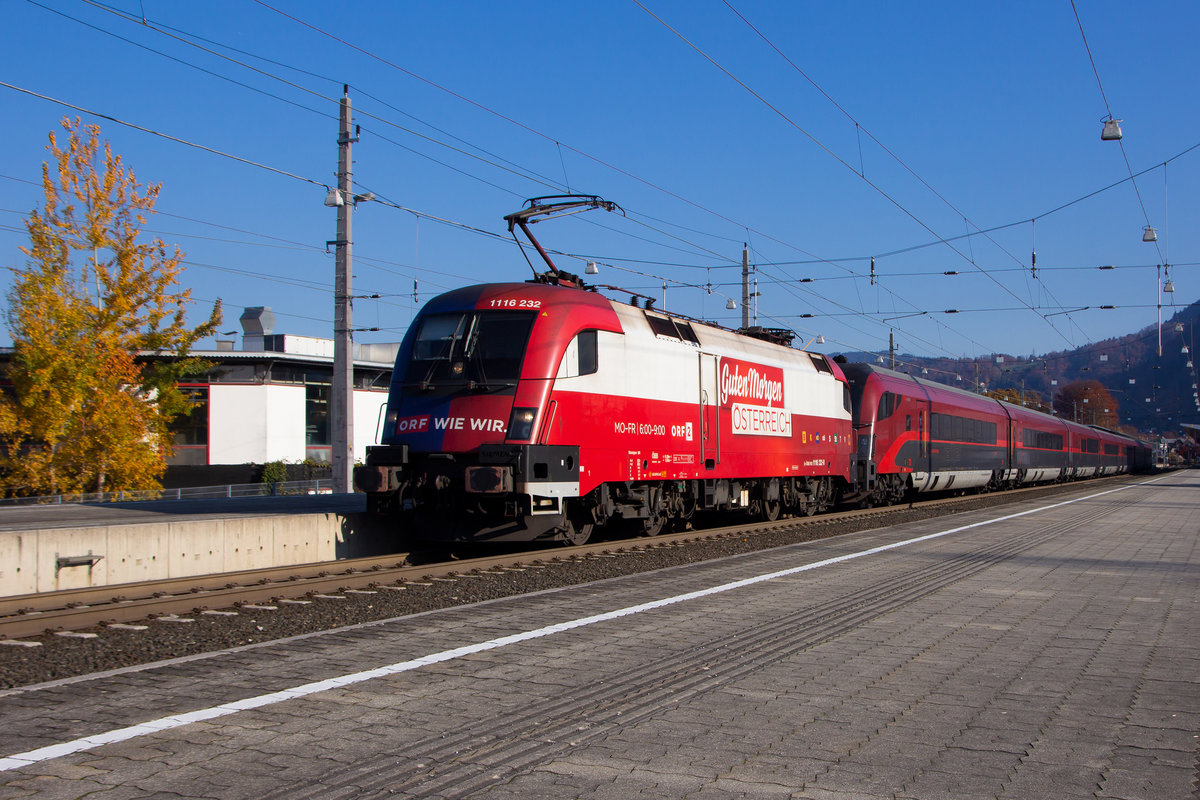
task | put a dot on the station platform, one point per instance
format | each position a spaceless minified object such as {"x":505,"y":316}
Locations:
{"x":1045,"y":650}
{"x":45,"y":548}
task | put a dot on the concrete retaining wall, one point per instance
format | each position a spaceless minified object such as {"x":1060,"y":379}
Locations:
{"x":31,"y":560}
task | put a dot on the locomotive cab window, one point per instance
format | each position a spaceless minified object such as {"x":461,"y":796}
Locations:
{"x":581,"y":357}
{"x":476,"y":348}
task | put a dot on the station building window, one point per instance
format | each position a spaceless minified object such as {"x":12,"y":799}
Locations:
{"x":189,"y":431}
{"x":239,"y":373}
{"x":317,"y":444}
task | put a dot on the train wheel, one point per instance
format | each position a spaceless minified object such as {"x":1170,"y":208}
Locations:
{"x":577,"y":526}
{"x":806,"y":504}
{"x":894,"y":490}
{"x":576,"y":533}
{"x":769,"y":509}
{"x":653,"y":524}
{"x":828,"y":495}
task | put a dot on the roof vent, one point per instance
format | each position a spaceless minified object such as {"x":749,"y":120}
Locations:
{"x":257,"y":323}
{"x":258,"y":319}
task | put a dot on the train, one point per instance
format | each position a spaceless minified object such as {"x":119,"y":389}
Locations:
{"x":544,"y":411}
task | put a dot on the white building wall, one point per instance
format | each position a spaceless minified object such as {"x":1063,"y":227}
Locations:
{"x":368,"y":416}
{"x":255,"y":423}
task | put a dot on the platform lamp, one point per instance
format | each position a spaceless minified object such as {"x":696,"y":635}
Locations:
{"x":1112,"y":129}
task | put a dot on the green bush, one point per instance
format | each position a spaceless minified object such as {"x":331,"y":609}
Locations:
{"x":274,"y":472}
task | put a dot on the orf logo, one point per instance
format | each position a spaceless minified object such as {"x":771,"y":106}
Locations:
{"x":752,"y":384}
{"x":683,"y":431}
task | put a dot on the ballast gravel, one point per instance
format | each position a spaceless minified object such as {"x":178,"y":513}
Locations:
{"x":152,"y":640}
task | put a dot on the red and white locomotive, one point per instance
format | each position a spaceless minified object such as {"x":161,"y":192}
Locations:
{"x":522,"y":411}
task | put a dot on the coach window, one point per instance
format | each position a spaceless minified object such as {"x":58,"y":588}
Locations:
{"x":887,"y":406}
{"x":581,"y":357}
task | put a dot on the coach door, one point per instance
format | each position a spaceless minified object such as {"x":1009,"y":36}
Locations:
{"x":924,"y":406}
{"x":709,"y":412}
{"x":1011,"y":453}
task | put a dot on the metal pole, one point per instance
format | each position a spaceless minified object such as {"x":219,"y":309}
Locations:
{"x":755,"y":295}
{"x":745,"y":288}
{"x":341,"y":400}
{"x":1158,"y":282}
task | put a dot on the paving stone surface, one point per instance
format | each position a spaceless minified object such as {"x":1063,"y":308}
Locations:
{"x":1053,"y":654}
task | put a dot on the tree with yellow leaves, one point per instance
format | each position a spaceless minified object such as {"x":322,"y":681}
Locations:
{"x":85,"y":414}
{"x":1021,"y":397}
{"x":1088,"y":402}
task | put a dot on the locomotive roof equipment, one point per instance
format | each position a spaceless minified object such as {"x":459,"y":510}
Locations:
{"x":557,"y":205}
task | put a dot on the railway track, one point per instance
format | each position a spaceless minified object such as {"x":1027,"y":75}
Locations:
{"x":75,"y":609}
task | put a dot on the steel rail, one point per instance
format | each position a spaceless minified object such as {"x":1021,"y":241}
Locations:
{"x":73,"y":609}
{"x":121,"y":592}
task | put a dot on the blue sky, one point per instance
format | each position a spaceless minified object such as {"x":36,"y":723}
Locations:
{"x":990,"y":115}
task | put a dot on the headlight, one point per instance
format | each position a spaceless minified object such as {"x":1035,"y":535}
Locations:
{"x":520,"y":424}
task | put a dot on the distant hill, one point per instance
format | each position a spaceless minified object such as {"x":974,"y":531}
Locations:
{"x":1155,"y":394}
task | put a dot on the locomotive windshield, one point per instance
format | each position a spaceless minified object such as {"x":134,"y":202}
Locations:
{"x":478,"y":349}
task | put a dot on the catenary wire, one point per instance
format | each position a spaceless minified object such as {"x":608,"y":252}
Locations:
{"x":838,"y":158}
{"x":557,"y":143}
{"x":860,"y":128}
{"x":518,"y":171}
{"x":1108,"y":108}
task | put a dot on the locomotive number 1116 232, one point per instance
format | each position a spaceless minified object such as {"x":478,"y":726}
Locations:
{"x":513,"y":302}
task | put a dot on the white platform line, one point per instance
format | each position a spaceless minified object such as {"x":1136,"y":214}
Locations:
{"x":25,"y":759}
